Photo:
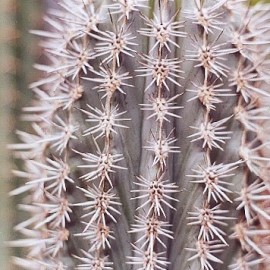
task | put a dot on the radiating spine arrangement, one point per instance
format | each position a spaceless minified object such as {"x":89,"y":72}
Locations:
{"x":212,"y":134}
{"x":119,"y":69}
{"x":111,"y":47}
{"x":47,"y":153}
{"x":154,"y":190}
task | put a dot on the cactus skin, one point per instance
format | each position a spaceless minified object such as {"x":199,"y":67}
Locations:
{"x":150,"y":142}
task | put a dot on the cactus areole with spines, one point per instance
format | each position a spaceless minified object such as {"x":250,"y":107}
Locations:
{"x":150,"y":141}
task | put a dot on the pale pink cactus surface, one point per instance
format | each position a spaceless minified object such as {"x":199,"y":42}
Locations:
{"x":150,"y":138}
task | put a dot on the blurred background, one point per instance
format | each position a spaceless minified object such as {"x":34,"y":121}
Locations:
{"x":18,"y":51}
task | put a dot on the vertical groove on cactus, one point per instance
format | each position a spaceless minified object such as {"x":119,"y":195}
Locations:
{"x":125,"y":86}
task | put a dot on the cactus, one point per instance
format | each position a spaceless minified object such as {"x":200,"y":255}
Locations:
{"x":149,"y":145}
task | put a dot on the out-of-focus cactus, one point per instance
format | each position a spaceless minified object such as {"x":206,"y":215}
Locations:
{"x":149,"y":147}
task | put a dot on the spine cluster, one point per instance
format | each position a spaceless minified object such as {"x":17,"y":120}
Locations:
{"x":208,"y":54}
{"x":105,"y":123}
{"x":154,"y":189}
{"x":47,"y":151}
